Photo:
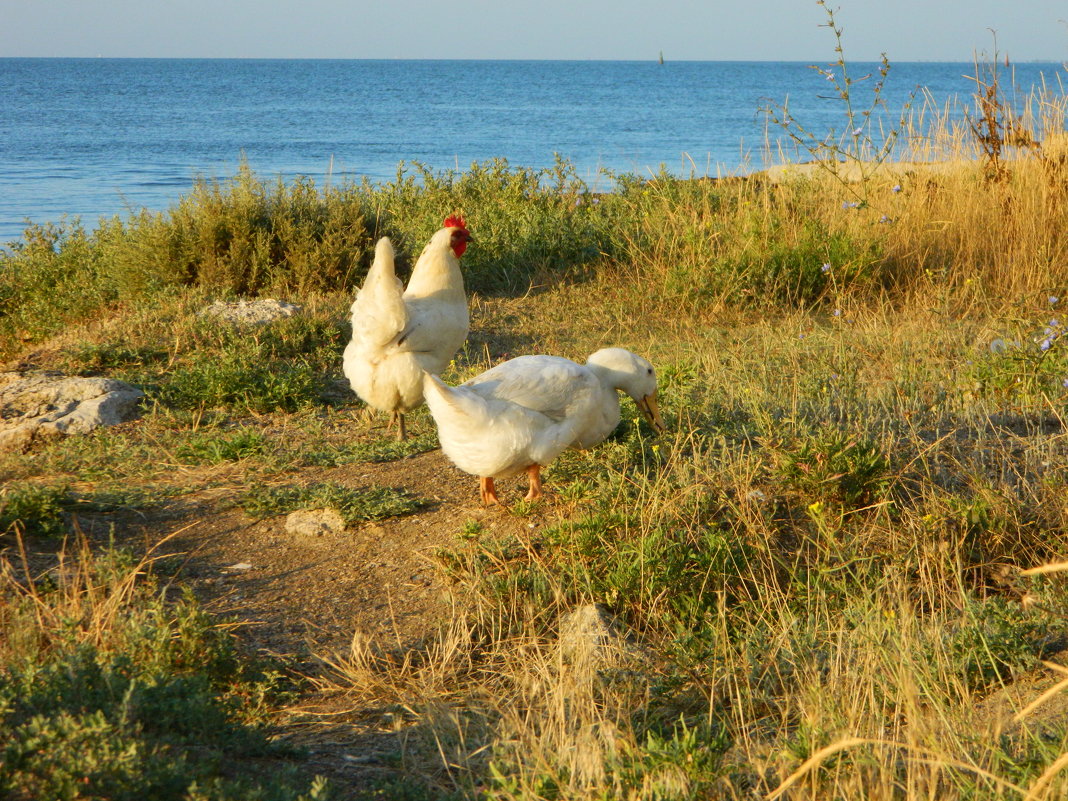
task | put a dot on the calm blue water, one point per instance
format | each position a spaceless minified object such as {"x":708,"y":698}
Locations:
{"x":97,"y":137}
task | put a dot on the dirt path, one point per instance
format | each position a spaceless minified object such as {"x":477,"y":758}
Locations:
{"x":302,"y":598}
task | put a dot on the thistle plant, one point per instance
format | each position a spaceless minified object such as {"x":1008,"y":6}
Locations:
{"x":865,"y":142}
{"x":996,"y":125}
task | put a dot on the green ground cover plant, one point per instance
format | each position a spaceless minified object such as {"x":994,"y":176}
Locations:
{"x":109,"y":691}
{"x":354,"y":505}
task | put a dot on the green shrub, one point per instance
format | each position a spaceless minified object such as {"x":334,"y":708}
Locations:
{"x":995,"y":640}
{"x":243,"y":236}
{"x":239,"y":380}
{"x":743,"y":243}
{"x":107,"y":691}
{"x":37,"y":509}
{"x":833,"y":466}
{"x":94,"y":358}
{"x":1020,"y":366}
{"x":57,"y":275}
{"x":527,"y":224}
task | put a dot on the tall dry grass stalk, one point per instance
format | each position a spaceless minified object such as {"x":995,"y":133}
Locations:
{"x":519,"y":708}
{"x":87,"y":599}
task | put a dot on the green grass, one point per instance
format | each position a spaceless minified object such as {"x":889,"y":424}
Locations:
{"x":46,"y":510}
{"x":107,"y":691}
{"x":35,"y":508}
{"x":354,"y":505}
{"x":333,"y":454}
{"x":211,"y":447}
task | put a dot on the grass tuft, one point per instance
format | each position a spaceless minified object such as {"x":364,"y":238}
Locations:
{"x":106,"y":691}
{"x":354,"y":505}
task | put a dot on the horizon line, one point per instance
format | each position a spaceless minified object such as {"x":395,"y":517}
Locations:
{"x":652,"y":60}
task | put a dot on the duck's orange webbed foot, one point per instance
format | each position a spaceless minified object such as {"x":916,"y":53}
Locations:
{"x":488,"y":490}
{"x":534,"y":474}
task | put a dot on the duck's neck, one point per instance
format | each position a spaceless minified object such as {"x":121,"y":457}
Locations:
{"x":611,"y":380}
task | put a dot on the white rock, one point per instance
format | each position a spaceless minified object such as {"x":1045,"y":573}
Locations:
{"x":43,"y":405}
{"x":251,"y":312}
{"x":314,"y":523}
{"x":590,"y":632}
{"x":593,"y":645}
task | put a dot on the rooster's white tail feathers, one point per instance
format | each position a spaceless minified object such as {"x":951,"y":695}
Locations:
{"x":378,"y":313}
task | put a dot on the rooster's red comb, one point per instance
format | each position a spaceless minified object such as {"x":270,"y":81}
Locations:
{"x":455,"y":221}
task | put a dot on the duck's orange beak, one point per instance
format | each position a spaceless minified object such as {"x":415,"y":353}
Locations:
{"x":649,"y":408}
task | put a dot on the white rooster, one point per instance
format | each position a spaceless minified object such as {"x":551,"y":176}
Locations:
{"x":396,"y":334}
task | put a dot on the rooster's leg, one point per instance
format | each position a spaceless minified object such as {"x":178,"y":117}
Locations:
{"x":397,"y":419}
{"x":488,"y":490}
{"x":534,"y":473}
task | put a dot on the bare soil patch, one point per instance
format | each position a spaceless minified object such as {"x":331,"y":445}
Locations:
{"x":301,"y":598}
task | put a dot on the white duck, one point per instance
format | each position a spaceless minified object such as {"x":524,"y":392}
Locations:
{"x":520,"y":415}
{"x":397,"y":335}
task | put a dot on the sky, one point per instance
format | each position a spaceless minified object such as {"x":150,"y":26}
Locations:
{"x":777,"y":30}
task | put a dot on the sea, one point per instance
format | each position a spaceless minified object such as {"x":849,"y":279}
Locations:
{"x":85,"y":139}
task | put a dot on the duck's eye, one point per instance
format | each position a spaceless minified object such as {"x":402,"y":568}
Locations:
{"x":649,"y":371}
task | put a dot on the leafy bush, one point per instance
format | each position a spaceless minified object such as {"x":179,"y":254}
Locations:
{"x":58,"y":274}
{"x":1028,"y":364}
{"x":243,"y":236}
{"x":995,"y":640}
{"x":833,"y":466}
{"x":36,"y":508}
{"x":527,"y":224}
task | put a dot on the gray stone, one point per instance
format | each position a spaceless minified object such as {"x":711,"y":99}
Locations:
{"x":40,"y":406}
{"x":251,"y":312}
{"x":314,"y":523}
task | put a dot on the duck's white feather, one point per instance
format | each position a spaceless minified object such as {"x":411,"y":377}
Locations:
{"x":488,"y":436}
{"x":527,"y":410}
